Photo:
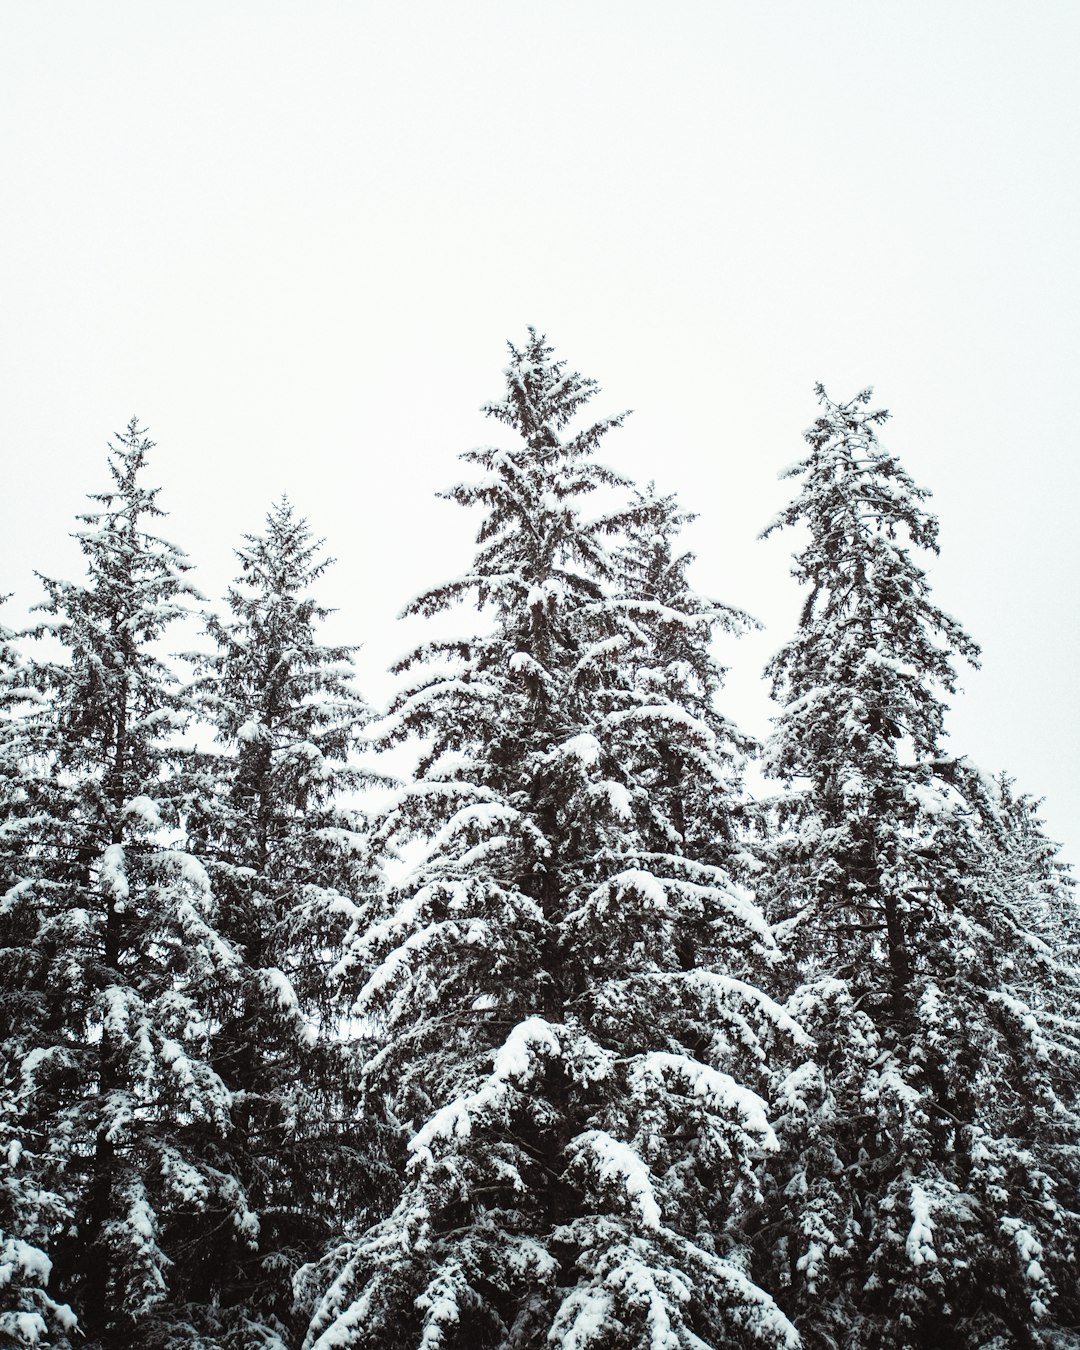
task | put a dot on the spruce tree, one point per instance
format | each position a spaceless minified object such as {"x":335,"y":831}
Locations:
{"x":1043,"y":886}
{"x":30,"y":1211}
{"x":288,"y":865}
{"x":562,"y":990}
{"x":695,"y":787}
{"x":109,"y":932}
{"x":926,"y":1190}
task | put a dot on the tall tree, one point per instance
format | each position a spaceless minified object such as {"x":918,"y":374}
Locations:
{"x":30,"y":1211}
{"x":121,"y":973}
{"x":695,"y":786}
{"x":288,"y":863}
{"x":926,"y":1189}
{"x":562,"y":990}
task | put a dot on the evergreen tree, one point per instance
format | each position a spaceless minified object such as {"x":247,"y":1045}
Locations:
{"x":926,"y":1190}
{"x":30,"y":1212}
{"x":695,"y":787}
{"x":1043,"y":886}
{"x":562,"y":990}
{"x":110,"y":940}
{"x":288,"y":866}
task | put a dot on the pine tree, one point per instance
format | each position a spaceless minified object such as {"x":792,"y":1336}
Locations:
{"x":1043,"y":887}
{"x":926,"y":1190}
{"x":287,"y":861}
{"x":695,"y":787}
{"x":109,"y":929}
{"x":562,"y":990}
{"x":30,"y":1212}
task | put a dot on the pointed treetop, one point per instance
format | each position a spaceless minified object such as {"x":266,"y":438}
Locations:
{"x":849,"y":471}
{"x":542,"y":396}
{"x":126,"y":460}
{"x":284,"y":557}
{"x":869,"y":598}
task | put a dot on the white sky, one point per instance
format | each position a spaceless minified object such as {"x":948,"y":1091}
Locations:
{"x":293,"y":239}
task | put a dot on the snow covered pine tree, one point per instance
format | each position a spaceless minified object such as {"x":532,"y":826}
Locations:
{"x":287,"y":865}
{"x":925,"y":1194}
{"x":563,"y":989}
{"x":30,"y":1212}
{"x":114,"y":973}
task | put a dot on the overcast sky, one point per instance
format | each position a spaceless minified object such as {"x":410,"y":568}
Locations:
{"x":293,"y":239}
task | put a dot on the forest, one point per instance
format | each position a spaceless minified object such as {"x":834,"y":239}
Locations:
{"x":567,"y":1038}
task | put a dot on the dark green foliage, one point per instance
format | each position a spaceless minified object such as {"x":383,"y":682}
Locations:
{"x":564,"y":1080}
{"x":290,"y":873}
{"x":109,"y":936}
{"x":31,"y":1213}
{"x":564,"y":985}
{"x":926,"y":1190}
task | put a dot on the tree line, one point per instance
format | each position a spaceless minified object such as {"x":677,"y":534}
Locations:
{"x":619,"y":1057}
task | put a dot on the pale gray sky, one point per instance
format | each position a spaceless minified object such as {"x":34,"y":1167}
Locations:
{"x":293,"y":238}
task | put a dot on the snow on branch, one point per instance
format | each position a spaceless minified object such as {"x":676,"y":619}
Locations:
{"x":516,"y":1064}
